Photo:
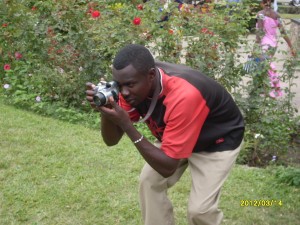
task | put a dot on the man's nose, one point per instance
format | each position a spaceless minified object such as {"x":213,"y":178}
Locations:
{"x":124,"y":91}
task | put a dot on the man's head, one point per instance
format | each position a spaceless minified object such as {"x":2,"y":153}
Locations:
{"x":134,"y":71}
{"x":136,"y":55}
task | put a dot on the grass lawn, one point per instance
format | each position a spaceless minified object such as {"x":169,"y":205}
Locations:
{"x":53,"y":172}
{"x":290,"y":16}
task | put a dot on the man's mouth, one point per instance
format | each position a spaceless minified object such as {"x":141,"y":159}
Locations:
{"x":130,"y":100}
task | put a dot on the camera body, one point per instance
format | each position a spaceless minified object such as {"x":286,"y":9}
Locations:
{"x":103,"y":91}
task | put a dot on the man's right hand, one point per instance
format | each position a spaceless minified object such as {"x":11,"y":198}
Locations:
{"x":110,"y":131}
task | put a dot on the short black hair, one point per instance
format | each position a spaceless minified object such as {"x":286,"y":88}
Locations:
{"x":136,"y":55}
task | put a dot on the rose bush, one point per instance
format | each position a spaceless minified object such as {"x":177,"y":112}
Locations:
{"x":50,"y":49}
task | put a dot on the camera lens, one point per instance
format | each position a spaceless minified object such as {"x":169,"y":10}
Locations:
{"x":99,"y":99}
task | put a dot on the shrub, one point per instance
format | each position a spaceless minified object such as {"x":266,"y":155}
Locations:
{"x":53,"y":48}
{"x":271,"y":123}
{"x":50,"y":49}
{"x":288,"y":175}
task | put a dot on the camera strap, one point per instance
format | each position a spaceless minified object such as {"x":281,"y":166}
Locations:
{"x":153,"y":101}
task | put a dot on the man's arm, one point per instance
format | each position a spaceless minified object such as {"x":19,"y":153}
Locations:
{"x":115,"y":121}
{"x":154,"y":156}
{"x":110,"y":132}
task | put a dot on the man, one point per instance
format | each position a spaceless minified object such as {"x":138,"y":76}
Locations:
{"x":197,"y":125}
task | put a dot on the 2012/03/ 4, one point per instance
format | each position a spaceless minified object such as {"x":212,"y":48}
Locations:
{"x":261,"y":203}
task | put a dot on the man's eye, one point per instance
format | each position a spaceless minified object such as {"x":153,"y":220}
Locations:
{"x":130,"y":85}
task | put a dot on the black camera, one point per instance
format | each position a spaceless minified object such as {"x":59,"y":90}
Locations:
{"x":103,"y":91}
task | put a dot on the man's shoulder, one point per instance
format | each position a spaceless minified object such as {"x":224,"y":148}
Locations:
{"x":170,"y":65}
{"x":174,"y":69}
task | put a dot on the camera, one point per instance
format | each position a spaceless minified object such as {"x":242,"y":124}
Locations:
{"x":103,"y":91}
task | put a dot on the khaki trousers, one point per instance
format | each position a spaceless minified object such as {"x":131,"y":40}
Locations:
{"x":208,"y":171}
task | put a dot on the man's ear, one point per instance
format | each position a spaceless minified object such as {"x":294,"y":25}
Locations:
{"x":152,"y":74}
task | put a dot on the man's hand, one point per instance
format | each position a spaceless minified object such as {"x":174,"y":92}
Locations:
{"x":116,"y":114}
{"x":90,"y":94}
{"x":111,"y":111}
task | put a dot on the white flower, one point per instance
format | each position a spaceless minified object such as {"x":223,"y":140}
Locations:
{"x":258,"y":136}
{"x":38,"y":99}
{"x":6,"y":86}
{"x":80,"y":68}
{"x":61,"y":70}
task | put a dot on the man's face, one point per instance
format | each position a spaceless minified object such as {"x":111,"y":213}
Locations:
{"x":134,"y":86}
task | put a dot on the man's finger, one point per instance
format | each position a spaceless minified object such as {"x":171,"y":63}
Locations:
{"x":90,"y":92}
{"x":112,"y":102}
{"x":90,"y":86}
{"x":90,"y":98}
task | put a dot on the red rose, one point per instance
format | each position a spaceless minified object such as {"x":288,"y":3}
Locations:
{"x":204,"y":30}
{"x":137,"y":21}
{"x":33,"y":8}
{"x":95,"y":14}
{"x":4,"y":25}
{"x":18,"y":55}
{"x":140,"y":7}
{"x":171,"y":31}
{"x":6,"y":67}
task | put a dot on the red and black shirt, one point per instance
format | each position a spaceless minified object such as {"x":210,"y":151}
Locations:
{"x":193,"y":113}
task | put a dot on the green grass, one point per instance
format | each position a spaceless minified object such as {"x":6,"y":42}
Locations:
{"x":290,"y":16}
{"x":53,"y":172}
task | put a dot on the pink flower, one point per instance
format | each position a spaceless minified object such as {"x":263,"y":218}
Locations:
{"x":137,"y":21}
{"x":6,"y":67}
{"x":90,"y":10}
{"x":95,"y":14}
{"x":18,"y":55}
{"x":33,"y":8}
